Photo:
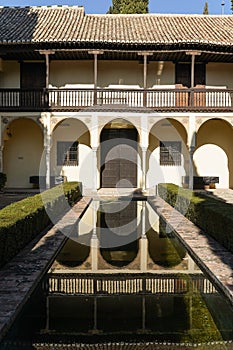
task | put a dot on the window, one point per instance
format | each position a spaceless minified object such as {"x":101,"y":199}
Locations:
{"x":67,"y":153}
{"x":170,"y":153}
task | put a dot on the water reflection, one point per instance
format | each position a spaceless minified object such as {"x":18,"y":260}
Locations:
{"x":144,"y":287}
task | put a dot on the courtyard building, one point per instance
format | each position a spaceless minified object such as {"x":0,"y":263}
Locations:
{"x":124,"y":101}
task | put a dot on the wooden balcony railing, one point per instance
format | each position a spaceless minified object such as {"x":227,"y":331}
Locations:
{"x":156,"y":99}
{"x":99,"y":284}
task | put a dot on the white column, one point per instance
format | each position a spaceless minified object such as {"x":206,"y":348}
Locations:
{"x":94,"y":168}
{"x":94,"y":146}
{"x":94,"y":239}
{"x":192,"y":146}
{"x":144,"y":150}
{"x":47,"y":144}
{"x":143,"y":240}
{"x":144,"y":142}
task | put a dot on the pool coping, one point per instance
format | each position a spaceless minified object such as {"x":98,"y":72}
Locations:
{"x":19,"y":277}
{"x":215,"y":260}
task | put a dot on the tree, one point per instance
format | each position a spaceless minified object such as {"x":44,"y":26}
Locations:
{"x":129,"y":6}
{"x":206,"y":9}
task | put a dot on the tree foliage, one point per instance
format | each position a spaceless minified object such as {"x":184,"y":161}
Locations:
{"x":206,"y":9}
{"x":129,"y":6}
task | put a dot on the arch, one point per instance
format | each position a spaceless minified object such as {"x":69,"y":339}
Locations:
{"x":121,"y":256}
{"x":119,"y":154}
{"x":167,"y":131}
{"x":23,"y":149}
{"x":119,"y":232}
{"x":118,"y":123}
{"x":74,"y":163}
{"x":201,"y":121}
{"x":73,"y":254}
{"x":213,"y":136}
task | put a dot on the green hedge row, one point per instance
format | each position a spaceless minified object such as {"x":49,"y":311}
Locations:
{"x":21,"y":221}
{"x":214,"y":216}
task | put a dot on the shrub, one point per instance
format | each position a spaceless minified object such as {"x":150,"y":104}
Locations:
{"x":2,"y":180}
{"x":213,"y":216}
{"x":21,"y":221}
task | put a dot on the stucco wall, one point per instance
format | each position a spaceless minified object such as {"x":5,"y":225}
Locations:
{"x":115,"y":73}
{"x":10,"y":75}
{"x":219,"y":74}
{"x":110,"y":73}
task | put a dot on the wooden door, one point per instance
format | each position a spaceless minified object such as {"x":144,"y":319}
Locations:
{"x":32,"y":82}
{"x":119,"y":158}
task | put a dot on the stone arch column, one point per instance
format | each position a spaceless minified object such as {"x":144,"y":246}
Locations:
{"x":192,"y":146}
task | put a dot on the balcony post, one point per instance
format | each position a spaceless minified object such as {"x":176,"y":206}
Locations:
{"x":95,"y":53}
{"x":193,"y":55}
{"x":145,"y":61}
{"x":47,"y":53}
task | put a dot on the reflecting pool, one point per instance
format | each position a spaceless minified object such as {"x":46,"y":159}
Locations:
{"x":123,"y":280}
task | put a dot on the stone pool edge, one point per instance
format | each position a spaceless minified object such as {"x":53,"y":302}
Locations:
{"x":19,"y":277}
{"x":212,"y":257}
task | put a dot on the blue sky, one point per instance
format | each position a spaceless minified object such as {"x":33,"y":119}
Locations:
{"x":156,"y":6}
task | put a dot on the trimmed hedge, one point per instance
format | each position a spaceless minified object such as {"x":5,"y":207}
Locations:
{"x":212,"y":215}
{"x":21,"y":221}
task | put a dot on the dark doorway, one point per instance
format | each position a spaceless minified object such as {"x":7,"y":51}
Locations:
{"x":32,"y":82}
{"x":183,"y":74}
{"x":119,"y":158}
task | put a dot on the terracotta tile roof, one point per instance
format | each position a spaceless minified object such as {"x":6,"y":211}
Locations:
{"x":40,"y":24}
{"x":155,"y":28}
{"x":69,"y":24}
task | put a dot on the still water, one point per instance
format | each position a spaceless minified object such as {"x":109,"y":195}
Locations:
{"x":123,"y":280}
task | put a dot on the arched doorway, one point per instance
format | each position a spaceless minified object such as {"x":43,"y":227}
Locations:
{"x":119,"y":155}
{"x":23,"y":148}
{"x":71,"y":154}
{"x":214,"y":155}
{"x":167,"y":156}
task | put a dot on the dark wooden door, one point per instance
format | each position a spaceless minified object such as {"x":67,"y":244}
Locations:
{"x":32,"y":82}
{"x":183,"y":74}
{"x":119,"y":158}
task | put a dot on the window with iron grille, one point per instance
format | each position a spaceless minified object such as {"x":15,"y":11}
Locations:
{"x":67,"y":153}
{"x":170,"y":153}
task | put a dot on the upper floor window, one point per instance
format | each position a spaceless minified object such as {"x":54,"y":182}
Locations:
{"x":67,"y":153}
{"x":183,"y":74}
{"x":170,"y":153}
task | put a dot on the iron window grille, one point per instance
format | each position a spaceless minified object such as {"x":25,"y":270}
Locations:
{"x":67,"y":153}
{"x":170,"y":153}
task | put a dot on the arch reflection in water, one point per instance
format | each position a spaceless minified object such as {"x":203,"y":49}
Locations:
{"x":126,"y":235}
{"x":148,"y":289}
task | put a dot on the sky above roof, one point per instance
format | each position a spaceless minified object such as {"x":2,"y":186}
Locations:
{"x":156,"y":6}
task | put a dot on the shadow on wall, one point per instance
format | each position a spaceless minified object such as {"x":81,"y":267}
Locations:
{"x":22,"y":18}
